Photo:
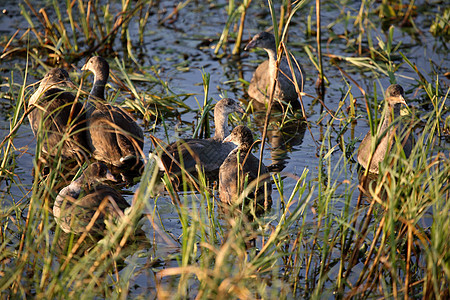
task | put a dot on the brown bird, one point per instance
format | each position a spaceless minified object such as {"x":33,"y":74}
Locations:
{"x":262,"y":80}
{"x":114,"y":136}
{"x":76,"y":204}
{"x":208,"y":153}
{"x":62,"y":119}
{"x":241,"y":165}
{"x":384,"y":138}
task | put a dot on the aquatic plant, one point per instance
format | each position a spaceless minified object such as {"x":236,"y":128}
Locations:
{"x":332,"y":230}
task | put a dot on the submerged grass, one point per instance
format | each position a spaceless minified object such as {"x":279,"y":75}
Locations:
{"x":327,"y":236}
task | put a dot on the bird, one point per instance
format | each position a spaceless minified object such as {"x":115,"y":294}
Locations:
{"x":76,"y":205}
{"x":54,"y":78}
{"x":385,"y":136}
{"x":207,"y":153}
{"x":265,"y":74}
{"x":241,"y":165}
{"x":114,"y":137}
{"x":63,"y":119}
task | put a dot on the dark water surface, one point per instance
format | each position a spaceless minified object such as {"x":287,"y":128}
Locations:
{"x":182,"y":50}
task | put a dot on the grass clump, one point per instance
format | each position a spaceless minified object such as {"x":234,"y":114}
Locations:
{"x":331,"y":232}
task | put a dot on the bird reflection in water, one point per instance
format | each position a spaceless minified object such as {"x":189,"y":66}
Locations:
{"x":282,"y":133}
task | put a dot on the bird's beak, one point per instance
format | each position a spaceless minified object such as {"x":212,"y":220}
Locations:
{"x":240,"y":109}
{"x":84,"y":68}
{"x":227,"y":139}
{"x":71,"y":85}
{"x":109,"y":176}
{"x":402,"y":100}
{"x":250,"y":45}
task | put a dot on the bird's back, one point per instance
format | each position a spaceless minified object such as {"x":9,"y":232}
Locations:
{"x":114,"y":135}
{"x":232,"y":176}
{"x":285,"y":90}
{"x":209,"y":154}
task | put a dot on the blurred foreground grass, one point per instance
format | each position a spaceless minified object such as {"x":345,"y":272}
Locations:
{"x":323,"y":238}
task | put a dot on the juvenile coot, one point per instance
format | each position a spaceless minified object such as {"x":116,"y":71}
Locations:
{"x":239,"y":165}
{"x":62,"y":119}
{"x":114,"y":136}
{"x":387,"y":133}
{"x":77,"y":203}
{"x":208,"y":153}
{"x":262,"y":80}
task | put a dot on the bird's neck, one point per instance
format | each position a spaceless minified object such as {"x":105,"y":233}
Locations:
{"x":221,"y":123}
{"x":390,"y":113}
{"x":100,"y":79}
{"x":35,"y":97}
{"x":43,"y":87}
{"x":245,"y":148}
{"x":396,"y":109}
{"x":73,"y":190}
{"x":385,"y":130}
{"x":98,"y":89}
{"x":272,"y":64}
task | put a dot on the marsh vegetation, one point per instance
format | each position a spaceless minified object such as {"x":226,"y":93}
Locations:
{"x":333,"y":231}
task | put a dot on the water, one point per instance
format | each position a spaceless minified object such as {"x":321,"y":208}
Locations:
{"x":182,"y":50}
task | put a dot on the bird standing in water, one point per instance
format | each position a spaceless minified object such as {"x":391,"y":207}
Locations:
{"x":264,"y":76}
{"x":241,"y":165}
{"x":207,"y":153}
{"x":373,"y":149}
{"x":114,"y":136}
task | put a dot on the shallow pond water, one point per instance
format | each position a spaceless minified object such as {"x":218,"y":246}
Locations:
{"x":181,"y":49}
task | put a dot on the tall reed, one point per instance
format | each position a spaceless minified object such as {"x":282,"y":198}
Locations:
{"x":327,"y":235}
